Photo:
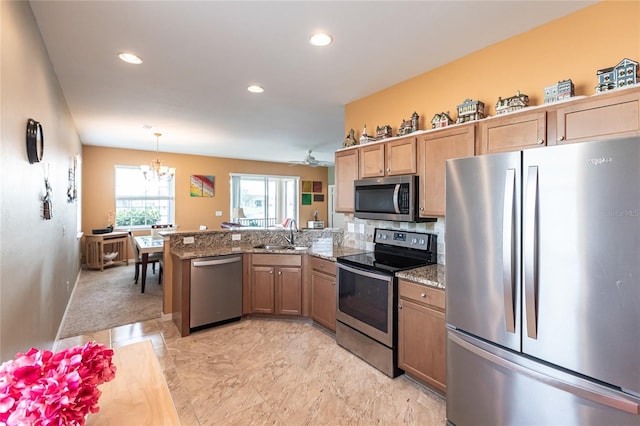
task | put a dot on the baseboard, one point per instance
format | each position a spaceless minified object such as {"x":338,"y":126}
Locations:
{"x":166,"y":317}
{"x":66,"y":309}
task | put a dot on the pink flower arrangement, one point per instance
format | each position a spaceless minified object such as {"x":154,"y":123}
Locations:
{"x":43,"y":388}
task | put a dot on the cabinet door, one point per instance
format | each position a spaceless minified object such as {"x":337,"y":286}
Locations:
{"x":433,"y":150}
{"x":372,"y":160}
{"x":513,"y":132}
{"x":421,"y":343}
{"x":600,"y":117}
{"x":346,"y":172}
{"x":323,"y":299}
{"x":262,"y":289}
{"x":401,"y":157}
{"x":289,"y":291}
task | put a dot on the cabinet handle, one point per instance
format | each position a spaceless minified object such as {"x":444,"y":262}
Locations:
{"x":388,"y":170}
{"x":560,"y":139}
{"x":423,"y":295}
{"x":540,"y":141}
{"x":380,"y":171}
{"x":399,"y":306}
{"x":421,"y":209}
{"x":279,"y":272}
{"x":271,"y":272}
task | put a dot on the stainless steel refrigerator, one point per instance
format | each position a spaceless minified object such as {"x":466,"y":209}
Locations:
{"x":543,"y":286}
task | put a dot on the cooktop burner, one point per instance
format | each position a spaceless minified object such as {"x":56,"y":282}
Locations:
{"x":396,"y":251}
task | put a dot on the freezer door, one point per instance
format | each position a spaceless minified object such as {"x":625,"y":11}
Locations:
{"x":483,"y":246}
{"x":581,"y":259}
{"x":487,"y":385}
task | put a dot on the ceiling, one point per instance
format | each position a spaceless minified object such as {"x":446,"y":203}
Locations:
{"x":200,"y":56}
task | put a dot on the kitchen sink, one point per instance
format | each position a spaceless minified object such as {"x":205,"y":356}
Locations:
{"x":279,"y":247}
{"x":271,"y":246}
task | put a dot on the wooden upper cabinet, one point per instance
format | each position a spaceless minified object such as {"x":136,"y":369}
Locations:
{"x":512,"y":132}
{"x":401,"y":156}
{"x":372,"y":160}
{"x":393,"y":158}
{"x":605,"y":116}
{"x":434,"y":149}
{"x":346,"y":171}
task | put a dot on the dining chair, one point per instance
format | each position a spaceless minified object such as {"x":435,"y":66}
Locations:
{"x":153,"y":259}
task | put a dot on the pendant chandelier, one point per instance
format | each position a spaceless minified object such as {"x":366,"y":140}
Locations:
{"x":156,"y":171}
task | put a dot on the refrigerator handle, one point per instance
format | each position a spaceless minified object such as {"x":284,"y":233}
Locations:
{"x":508,"y":249}
{"x":530,"y":252}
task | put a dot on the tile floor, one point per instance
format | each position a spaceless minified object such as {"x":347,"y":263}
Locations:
{"x":278,"y":372}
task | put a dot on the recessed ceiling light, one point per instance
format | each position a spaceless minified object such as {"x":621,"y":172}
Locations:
{"x":320,"y":39}
{"x":255,"y":89}
{"x":130,"y":58}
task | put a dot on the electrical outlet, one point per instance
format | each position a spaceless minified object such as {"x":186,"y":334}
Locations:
{"x":362,"y":228}
{"x":218,"y":212}
{"x":350,"y":227}
{"x":235,"y":237}
{"x":188,"y":240}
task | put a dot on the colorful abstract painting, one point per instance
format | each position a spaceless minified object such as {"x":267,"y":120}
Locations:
{"x":202,"y":186}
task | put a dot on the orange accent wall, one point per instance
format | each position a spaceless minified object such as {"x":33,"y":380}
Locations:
{"x":98,"y":185}
{"x":574,"y":47}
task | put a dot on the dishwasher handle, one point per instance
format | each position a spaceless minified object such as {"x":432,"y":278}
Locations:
{"x":217,"y":262}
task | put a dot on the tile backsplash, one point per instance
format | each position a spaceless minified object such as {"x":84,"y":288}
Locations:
{"x":358,"y":233}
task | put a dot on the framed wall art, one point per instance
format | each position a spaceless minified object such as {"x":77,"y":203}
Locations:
{"x":202,"y":186}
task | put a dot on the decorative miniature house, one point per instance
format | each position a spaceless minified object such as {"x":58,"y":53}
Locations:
{"x":470,"y":110}
{"x":409,"y":126}
{"x":621,"y":75}
{"x":350,"y":139}
{"x":383,"y":132}
{"x":441,"y":120}
{"x":514,"y":103}
{"x":561,"y":90}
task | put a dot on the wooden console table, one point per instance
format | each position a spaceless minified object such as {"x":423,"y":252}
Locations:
{"x":97,"y":245}
{"x":138,"y":395}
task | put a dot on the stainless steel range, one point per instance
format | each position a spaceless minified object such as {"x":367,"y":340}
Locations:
{"x":367,"y":292}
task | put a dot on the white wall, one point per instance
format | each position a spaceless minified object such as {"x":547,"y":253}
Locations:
{"x":37,"y":257}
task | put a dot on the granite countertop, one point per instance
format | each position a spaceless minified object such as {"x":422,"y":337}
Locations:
{"x":329,"y":254}
{"x":432,"y":275}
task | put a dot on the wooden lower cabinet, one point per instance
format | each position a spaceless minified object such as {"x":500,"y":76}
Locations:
{"x":422,"y":334}
{"x":323,"y":293}
{"x":276,"y":284}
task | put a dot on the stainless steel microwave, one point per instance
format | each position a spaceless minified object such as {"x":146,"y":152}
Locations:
{"x":389,"y":198}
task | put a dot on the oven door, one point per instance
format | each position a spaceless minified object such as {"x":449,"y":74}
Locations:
{"x":366,"y":302}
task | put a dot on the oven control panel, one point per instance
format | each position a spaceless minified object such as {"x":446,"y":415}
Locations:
{"x":406,"y":239}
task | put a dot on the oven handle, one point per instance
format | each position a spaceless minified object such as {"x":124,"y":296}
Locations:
{"x":376,"y":275}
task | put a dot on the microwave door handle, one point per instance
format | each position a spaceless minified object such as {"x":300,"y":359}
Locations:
{"x":396,"y":195}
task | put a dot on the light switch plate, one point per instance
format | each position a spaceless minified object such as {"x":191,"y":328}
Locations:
{"x":218,"y":212}
{"x":362,"y":228}
{"x":350,"y":227}
{"x":235,"y":237}
{"x":188,"y":240}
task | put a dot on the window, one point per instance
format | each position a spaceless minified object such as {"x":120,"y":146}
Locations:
{"x":142,"y":203}
{"x":265,"y":200}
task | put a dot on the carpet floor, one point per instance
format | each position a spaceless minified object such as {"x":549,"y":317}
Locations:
{"x":109,"y":298}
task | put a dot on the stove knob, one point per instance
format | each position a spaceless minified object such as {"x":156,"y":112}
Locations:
{"x":414,"y":241}
{"x":384,"y":236}
{"x":422,"y":241}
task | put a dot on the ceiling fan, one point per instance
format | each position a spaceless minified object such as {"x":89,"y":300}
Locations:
{"x":311,"y":161}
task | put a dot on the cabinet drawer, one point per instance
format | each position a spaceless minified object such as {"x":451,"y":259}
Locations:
{"x":276,"y":259}
{"x":323,"y":265}
{"x":422,"y":294}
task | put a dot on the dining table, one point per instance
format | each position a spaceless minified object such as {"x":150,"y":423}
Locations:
{"x":148,"y":244}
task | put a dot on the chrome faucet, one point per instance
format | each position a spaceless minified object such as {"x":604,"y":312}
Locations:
{"x":291,"y":238}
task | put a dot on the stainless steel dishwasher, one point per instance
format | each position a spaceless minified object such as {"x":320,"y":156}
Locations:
{"x":216,"y":290}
